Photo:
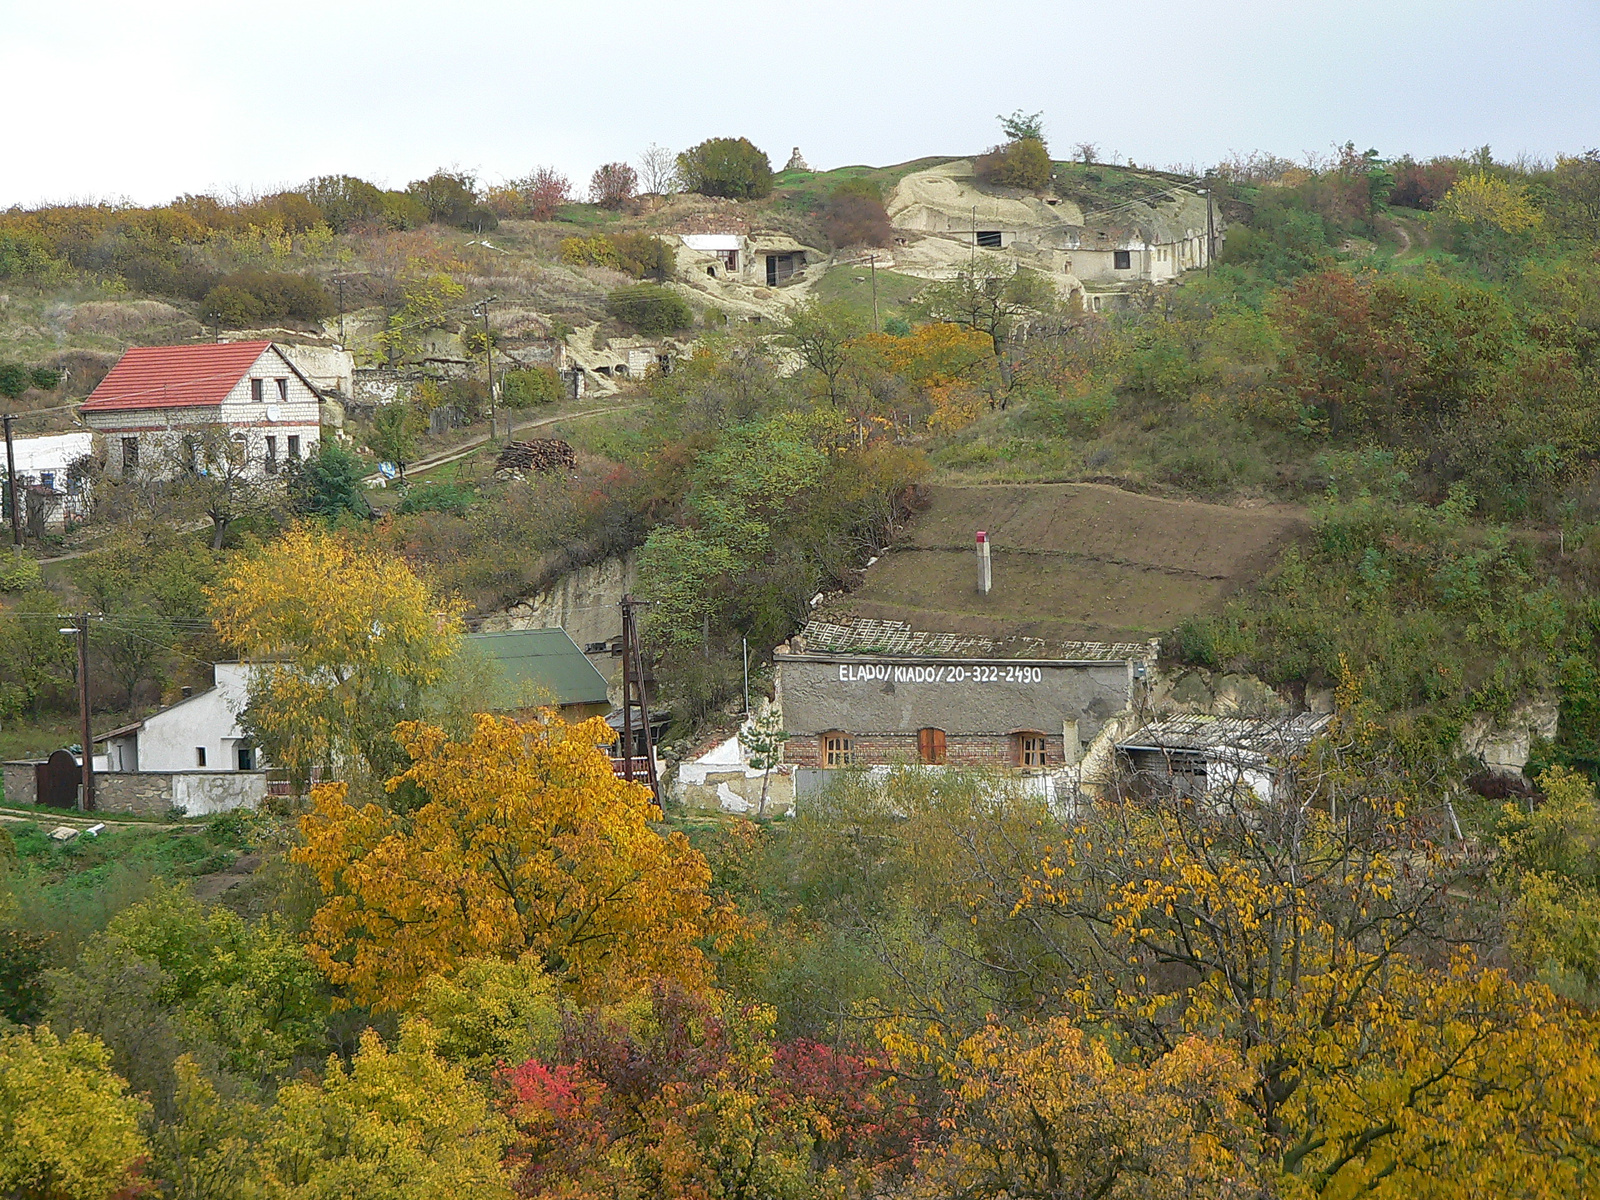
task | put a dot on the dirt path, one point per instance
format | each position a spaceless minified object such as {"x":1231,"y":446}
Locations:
{"x":471,"y":445}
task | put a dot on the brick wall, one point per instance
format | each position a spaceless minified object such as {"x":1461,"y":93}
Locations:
{"x":888,"y":749}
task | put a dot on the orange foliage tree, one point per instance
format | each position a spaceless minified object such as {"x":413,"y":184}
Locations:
{"x":948,"y":369}
{"x":519,"y":840}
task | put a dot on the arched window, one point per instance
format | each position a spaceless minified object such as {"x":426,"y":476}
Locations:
{"x":838,"y":749}
{"x":930,"y":746}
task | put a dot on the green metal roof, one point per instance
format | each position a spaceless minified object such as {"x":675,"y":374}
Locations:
{"x":539,"y":666}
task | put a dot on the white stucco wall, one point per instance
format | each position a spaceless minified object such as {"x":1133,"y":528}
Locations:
{"x":171,"y":738}
{"x":198,"y":794}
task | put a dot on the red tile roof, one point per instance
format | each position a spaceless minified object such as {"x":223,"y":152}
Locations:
{"x":174,"y":376}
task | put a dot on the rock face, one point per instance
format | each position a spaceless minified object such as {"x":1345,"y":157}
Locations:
{"x":1503,"y":748}
{"x":796,"y":162}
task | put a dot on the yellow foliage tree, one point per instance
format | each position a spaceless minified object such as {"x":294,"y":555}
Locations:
{"x":950,"y":368}
{"x":347,"y":642}
{"x":398,"y":1124}
{"x":1047,"y":1112}
{"x":1480,"y":199}
{"x":524,"y":841}
{"x":68,"y":1128}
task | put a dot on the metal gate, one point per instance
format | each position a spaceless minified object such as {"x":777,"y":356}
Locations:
{"x":58,"y":778}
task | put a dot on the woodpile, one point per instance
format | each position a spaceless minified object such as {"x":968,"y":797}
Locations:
{"x":540,"y":454}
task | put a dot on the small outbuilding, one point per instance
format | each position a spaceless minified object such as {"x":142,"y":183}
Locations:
{"x":539,"y":668}
{"x":1202,"y":755}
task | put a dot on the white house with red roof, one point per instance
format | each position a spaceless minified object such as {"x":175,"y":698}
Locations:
{"x":156,"y":395}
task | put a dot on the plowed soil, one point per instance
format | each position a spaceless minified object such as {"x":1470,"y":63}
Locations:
{"x":1084,"y":560}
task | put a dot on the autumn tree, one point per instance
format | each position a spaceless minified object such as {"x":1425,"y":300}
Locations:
{"x":994,"y":300}
{"x":613,"y":185}
{"x":520,"y":839}
{"x":1047,"y":1112}
{"x":68,"y":1128}
{"x":658,"y":170}
{"x":346,"y":641}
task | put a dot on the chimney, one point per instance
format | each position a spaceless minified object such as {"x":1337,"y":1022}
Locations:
{"x":187,"y":692}
{"x":985,"y":579}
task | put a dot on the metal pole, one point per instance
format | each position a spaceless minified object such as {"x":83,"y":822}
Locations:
{"x":341,"y":311}
{"x":746,"y":642}
{"x":11,"y":482}
{"x":83,"y":712}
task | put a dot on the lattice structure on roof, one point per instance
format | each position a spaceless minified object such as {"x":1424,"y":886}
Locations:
{"x":865,"y":635}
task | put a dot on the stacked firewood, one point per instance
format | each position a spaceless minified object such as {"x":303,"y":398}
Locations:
{"x":539,"y":454}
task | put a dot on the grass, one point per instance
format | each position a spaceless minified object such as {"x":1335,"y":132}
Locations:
{"x":36,"y":739}
{"x":852,"y":287}
{"x":71,"y":889}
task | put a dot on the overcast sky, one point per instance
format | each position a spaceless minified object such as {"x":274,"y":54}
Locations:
{"x":147,"y":99}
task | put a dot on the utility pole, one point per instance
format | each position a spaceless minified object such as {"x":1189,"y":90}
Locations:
{"x":87,"y":742}
{"x":11,"y":482}
{"x":873,"y":259}
{"x":1211,"y":226}
{"x":633,"y":677}
{"x":340,"y":281}
{"x":488,"y":359}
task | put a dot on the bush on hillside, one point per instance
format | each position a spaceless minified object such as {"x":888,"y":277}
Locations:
{"x":649,"y":308}
{"x":644,"y":256}
{"x":729,"y":167}
{"x":1422,"y":185}
{"x":1023,"y":163}
{"x":524,"y":389}
{"x":451,"y":498}
{"x":856,"y":217}
{"x":244,"y":298}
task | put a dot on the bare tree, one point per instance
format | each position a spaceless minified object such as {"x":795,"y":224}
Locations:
{"x":658,"y":170}
{"x":1086,"y":152}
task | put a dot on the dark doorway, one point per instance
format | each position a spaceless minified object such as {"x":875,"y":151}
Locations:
{"x":57,"y":778}
{"x":989,"y":239}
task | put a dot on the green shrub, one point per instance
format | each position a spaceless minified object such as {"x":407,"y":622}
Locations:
{"x":19,"y":573}
{"x":644,"y":256}
{"x":730,"y":167}
{"x":537,"y":385}
{"x":650,"y":309}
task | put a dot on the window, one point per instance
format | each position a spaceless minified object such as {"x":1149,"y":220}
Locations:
{"x":1030,"y":750}
{"x":130,"y":456}
{"x":989,"y":239}
{"x":272,"y":455}
{"x":294,"y":445}
{"x":930,"y":746}
{"x":283,"y":388}
{"x":199,"y":756}
{"x":47,"y":479}
{"x":837,"y":750}
{"x":258,"y":390}
{"x":1122,"y":260}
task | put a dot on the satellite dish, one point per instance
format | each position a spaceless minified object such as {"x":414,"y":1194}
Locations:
{"x":272,"y":412}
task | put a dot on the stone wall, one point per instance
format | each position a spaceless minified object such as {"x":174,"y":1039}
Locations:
{"x":194,"y":793}
{"x":21,"y":784}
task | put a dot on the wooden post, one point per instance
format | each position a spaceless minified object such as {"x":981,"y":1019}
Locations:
{"x":11,"y":482}
{"x":83,"y":712}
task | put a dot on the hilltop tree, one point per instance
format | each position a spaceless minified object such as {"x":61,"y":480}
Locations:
{"x":730,"y":167}
{"x":1020,"y":125}
{"x":613,"y":185}
{"x":519,"y":840}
